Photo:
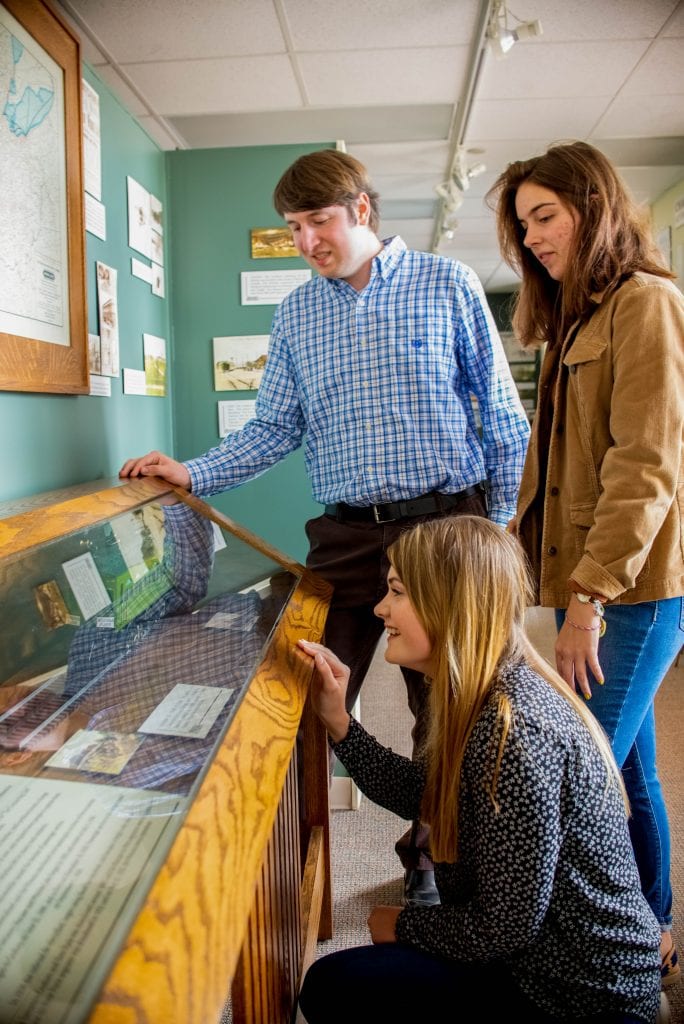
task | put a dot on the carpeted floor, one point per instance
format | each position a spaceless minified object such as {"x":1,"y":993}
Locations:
{"x":366,"y":871}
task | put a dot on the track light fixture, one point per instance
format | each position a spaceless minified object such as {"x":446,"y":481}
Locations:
{"x":501,"y":36}
{"x":451,"y":192}
{"x":461,"y":173}
{"x":451,"y":195}
{"x":447,"y":226}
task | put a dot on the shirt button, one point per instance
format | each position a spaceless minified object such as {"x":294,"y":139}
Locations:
{"x":552,"y":550}
{"x":364,"y":384}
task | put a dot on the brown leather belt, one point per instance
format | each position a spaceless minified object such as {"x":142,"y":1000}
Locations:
{"x":425,"y":505}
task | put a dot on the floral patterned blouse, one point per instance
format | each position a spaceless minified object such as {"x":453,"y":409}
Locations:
{"x":547,"y":882}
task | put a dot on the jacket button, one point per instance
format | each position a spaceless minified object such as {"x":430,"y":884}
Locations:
{"x":554,"y":491}
{"x":560,"y":428}
{"x":552,"y":550}
{"x":573,"y":368}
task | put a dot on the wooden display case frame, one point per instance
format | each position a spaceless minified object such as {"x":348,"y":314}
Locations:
{"x":245,"y":892}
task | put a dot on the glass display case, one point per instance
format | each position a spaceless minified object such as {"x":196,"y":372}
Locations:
{"x":163,"y":784}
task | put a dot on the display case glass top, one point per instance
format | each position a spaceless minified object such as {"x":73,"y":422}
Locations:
{"x":130,"y":629}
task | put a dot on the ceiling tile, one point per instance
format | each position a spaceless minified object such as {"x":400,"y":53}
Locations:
{"x":357,"y":24}
{"x":383,"y":76}
{"x":181,"y":29}
{"x":534,"y":117}
{"x":660,"y":71}
{"x":561,"y":69}
{"x":652,"y":115}
{"x":675,"y":26}
{"x":214,"y":86}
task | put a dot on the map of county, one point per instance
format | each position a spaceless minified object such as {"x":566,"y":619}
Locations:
{"x":32,"y":107}
{"x":33,"y":256}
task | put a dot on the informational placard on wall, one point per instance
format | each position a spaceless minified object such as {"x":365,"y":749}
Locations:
{"x":233,"y":415}
{"x":269,"y":287}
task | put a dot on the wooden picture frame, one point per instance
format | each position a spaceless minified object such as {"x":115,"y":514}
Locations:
{"x":43,"y":318}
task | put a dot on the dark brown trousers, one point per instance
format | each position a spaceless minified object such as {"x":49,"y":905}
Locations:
{"x":352,"y":556}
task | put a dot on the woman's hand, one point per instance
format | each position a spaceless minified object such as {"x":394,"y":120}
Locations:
{"x":329,"y":689}
{"x":382,"y":922}
{"x":577,"y":647}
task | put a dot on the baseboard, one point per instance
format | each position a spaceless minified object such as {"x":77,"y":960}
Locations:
{"x":345,"y":795}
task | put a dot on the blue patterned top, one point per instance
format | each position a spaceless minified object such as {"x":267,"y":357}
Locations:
{"x":397,"y":390}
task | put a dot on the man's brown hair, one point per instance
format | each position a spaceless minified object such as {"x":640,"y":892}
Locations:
{"x":326,"y":178}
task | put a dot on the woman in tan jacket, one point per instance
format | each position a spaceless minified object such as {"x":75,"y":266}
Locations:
{"x":601,"y":500}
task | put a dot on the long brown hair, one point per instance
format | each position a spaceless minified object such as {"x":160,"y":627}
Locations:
{"x":327,"y":177}
{"x":612,"y":241}
{"x":468,"y":583}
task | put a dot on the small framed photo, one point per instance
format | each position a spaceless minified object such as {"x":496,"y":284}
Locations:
{"x":272,"y":243}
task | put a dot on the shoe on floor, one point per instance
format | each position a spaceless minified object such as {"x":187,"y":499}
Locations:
{"x":420,"y":889}
{"x":670,"y":971}
{"x":664,"y":1015}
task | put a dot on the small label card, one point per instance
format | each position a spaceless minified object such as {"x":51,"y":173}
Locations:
{"x":91,"y":751}
{"x":187,"y":710}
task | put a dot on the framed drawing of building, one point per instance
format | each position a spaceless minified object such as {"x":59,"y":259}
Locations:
{"x":43,"y":329}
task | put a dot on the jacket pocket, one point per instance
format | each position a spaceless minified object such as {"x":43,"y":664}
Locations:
{"x":582,"y":515}
{"x":585,"y":350}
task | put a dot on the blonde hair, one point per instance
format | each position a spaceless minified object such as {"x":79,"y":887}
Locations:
{"x":468,"y":582}
{"x":612,"y":240}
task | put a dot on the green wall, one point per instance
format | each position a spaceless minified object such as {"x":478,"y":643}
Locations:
{"x":215,"y":197}
{"x":52,"y":441}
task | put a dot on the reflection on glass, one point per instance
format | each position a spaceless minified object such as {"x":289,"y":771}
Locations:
{"x":159,"y":621}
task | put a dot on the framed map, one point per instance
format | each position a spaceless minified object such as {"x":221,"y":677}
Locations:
{"x":43,"y":329}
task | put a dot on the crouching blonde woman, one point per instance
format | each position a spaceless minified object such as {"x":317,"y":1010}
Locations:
{"x":542,"y":916}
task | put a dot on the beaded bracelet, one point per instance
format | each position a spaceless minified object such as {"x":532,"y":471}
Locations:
{"x":588,"y":629}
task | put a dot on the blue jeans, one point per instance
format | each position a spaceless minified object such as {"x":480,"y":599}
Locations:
{"x":639,"y":646}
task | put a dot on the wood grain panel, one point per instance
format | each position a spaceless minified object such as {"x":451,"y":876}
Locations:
{"x":48,"y":522}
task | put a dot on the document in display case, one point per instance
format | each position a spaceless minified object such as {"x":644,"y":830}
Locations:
{"x":163,"y":830}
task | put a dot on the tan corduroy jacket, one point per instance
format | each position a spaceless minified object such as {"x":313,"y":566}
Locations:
{"x":613,"y":499}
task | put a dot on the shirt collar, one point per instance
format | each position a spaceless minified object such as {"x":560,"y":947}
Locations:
{"x":384,"y":264}
{"x":389,"y":257}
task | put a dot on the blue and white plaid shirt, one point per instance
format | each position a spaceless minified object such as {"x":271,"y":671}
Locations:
{"x":378,"y":385}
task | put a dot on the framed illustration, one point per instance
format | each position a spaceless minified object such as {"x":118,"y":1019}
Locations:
{"x":272,"y":243}
{"x":239,"y":362}
{"x":43,"y":323}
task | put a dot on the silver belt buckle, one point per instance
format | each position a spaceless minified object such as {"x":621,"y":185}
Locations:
{"x":376,"y":516}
